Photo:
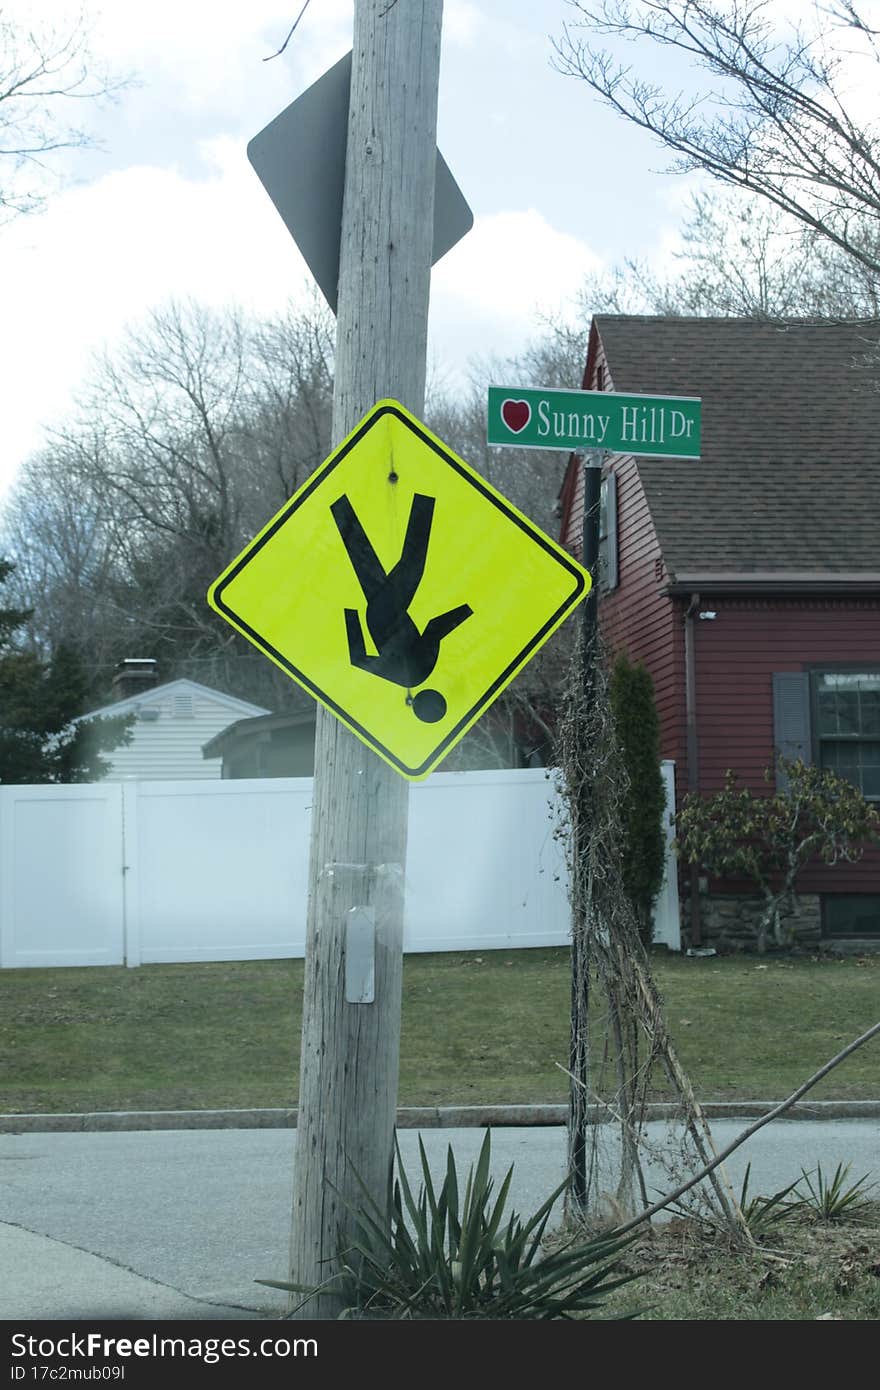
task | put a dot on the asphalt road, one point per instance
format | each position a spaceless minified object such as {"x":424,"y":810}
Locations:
{"x":180,"y":1223}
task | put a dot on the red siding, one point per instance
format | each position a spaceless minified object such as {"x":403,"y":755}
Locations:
{"x":736,"y":655}
{"x":637,"y":618}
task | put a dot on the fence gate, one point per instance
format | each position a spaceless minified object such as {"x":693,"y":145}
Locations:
{"x":61,"y":879}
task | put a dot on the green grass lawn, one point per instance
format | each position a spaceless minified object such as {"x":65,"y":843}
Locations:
{"x":489,"y":1028}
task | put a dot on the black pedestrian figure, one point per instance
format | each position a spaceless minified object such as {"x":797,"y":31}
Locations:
{"x":405,"y":656}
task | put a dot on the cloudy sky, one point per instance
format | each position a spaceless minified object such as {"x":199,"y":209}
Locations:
{"x":169,"y":206}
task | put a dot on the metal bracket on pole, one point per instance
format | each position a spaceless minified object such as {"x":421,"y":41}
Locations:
{"x":360,"y":955}
{"x":337,"y":867}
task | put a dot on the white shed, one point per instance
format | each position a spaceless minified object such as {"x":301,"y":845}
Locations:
{"x":172,"y":722}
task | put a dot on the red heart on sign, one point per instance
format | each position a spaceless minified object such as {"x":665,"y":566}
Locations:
{"x":516,"y":415}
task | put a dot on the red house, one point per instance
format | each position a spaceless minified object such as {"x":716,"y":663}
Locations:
{"x":749,"y":581}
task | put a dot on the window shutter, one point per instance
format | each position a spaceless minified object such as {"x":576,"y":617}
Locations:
{"x":791,"y":719}
{"x":608,"y":576}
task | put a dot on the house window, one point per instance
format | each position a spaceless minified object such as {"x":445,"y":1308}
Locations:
{"x":851,"y":914}
{"x":847,"y":726}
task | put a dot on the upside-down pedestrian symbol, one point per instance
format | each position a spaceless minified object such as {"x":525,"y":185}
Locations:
{"x":405,"y":655}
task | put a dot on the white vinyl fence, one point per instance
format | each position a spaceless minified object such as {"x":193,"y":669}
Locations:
{"x":139,"y":872}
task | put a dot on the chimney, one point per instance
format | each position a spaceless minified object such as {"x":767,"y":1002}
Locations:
{"x":134,"y":676}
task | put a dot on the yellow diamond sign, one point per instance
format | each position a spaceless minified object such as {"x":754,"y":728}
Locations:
{"x":400,"y":590}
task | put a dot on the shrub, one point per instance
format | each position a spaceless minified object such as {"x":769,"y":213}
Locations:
{"x":637,"y":727}
{"x":770,"y":839}
{"x":833,"y":1199}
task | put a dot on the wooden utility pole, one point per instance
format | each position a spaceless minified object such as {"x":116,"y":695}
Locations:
{"x":350,"y":1051}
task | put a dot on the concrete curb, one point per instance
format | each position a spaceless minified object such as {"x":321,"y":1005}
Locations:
{"x":416,"y":1117}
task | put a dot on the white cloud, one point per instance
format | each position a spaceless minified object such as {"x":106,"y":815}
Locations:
{"x":204,"y":57}
{"x":103,"y":255}
{"x":513,"y":263}
{"x":489,"y":291}
{"x":214,"y":50}
{"x":675,"y":206}
{"x":462,"y":22}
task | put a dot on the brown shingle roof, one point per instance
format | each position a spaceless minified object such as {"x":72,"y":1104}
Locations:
{"x":789,"y":476}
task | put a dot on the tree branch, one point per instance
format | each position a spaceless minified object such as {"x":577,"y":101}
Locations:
{"x":778,"y":125}
{"x":289,"y":36}
{"x":747,"y":1133}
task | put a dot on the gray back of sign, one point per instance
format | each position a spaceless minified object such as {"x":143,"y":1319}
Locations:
{"x":300,"y":161}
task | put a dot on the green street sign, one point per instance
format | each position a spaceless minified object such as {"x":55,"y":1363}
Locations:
{"x":586,"y":421}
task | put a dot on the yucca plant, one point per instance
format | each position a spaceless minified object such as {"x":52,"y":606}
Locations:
{"x":760,"y":1212}
{"x":436,"y":1256}
{"x":835,"y":1200}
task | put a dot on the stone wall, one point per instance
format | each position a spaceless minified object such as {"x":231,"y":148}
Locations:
{"x":729,"y":921}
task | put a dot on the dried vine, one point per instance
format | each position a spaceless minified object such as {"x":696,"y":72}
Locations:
{"x":612,"y":1067}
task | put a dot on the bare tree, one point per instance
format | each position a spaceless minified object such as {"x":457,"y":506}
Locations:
{"x":290,"y":425}
{"x":746,"y":258}
{"x":777,"y":118}
{"x":65,"y":538}
{"x":164,"y":419}
{"x":186,"y":441}
{"x":47,"y":74}
{"x":740,"y":258}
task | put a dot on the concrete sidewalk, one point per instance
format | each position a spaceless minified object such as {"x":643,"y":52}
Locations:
{"x":45,"y":1278}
